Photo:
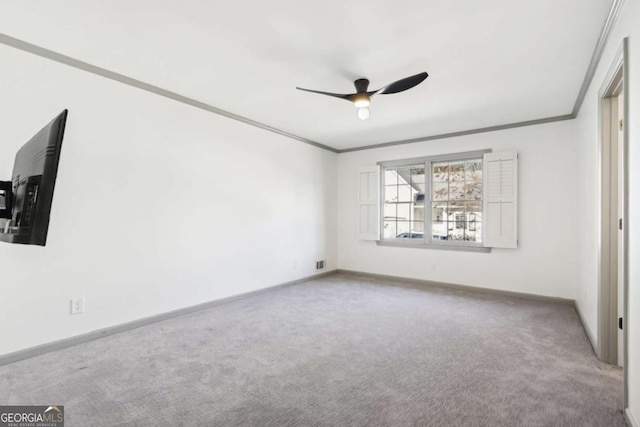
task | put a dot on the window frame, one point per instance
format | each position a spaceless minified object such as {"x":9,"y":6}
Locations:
{"x":427,"y":241}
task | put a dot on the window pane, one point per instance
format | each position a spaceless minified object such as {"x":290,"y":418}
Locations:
{"x":475,"y":209}
{"x":450,"y":223}
{"x":413,"y":232}
{"x":403,"y":229}
{"x":457,"y":230}
{"x":390,"y":177}
{"x":456,"y":171}
{"x":456,"y":191}
{"x":439,"y":230}
{"x":474,"y":232}
{"x":455,"y":208}
{"x":390,"y":211}
{"x":418,"y":212}
{"x":456,"y":234}
{"x":417,"y":196}
{"x":438,"y":212}
{"x":440,"y":191}
{"x":404,"y":211}
{"x":389,"y":230}
{"x":440,"y":172}
{"x":473,"y":170}
{"x":391,"y":193}
{"x":404,"y":193}
{"x":473,"y":190}
{"x":404,"y":175}
{"x":417,"y":175}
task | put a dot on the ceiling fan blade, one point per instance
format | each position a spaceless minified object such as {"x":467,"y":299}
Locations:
{"x":402,"y":85}
{"x":335,"y":95}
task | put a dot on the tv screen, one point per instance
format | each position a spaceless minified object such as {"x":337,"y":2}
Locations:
{"x":32,"y":184}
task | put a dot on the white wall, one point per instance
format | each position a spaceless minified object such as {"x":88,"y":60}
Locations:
{"x":158,"y":205}
{"x":628,"y":25}
{"x":544,"y":262}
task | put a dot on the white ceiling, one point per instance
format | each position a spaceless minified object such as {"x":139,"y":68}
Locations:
{"x":490,"y":62}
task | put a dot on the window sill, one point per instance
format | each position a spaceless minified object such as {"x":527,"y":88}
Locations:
{"x":420,"y":245}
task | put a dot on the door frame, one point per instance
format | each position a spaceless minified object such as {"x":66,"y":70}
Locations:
{"x":607,"y":321}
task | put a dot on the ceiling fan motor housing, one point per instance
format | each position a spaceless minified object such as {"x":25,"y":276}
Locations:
{"x":361,"y":85}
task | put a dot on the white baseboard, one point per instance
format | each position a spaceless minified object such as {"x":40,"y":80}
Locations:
{"x":585,"y":326}
{"x":100,"y":333}
{"x":476,"y":289}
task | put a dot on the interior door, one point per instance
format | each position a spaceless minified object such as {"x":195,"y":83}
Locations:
{"x":620,"y":127}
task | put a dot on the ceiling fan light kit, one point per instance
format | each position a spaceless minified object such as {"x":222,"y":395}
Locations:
{"x":363,"y":113}
{"x":362,"y":98}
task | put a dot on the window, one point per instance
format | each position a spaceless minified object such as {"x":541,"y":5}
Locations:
{"x":403,"y":208}
{"x":465,"y":201}
{"x":442,"y":195}
{"x":456,"y":200}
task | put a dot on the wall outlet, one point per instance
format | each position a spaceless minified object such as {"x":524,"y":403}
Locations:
{"x":77,"y":306}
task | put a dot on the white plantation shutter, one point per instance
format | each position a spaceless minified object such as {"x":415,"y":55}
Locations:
{"x":501,"y":199}
{"x":369,"y":203}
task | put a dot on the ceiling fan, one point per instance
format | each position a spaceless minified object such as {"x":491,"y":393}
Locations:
{"x":362,"y":99}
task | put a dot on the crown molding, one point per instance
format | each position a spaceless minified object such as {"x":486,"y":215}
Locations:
{"x":607,"y":28}
{"x":462,"y":133}
{"x":72,"y":62}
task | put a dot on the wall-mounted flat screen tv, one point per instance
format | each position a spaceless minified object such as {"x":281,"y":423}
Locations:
{"x":25,"y":201}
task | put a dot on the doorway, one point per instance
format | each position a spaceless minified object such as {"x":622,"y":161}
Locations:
{"x":613,"y":253}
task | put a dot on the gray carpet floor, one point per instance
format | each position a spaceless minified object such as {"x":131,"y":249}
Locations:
{"x":338,"y":351}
